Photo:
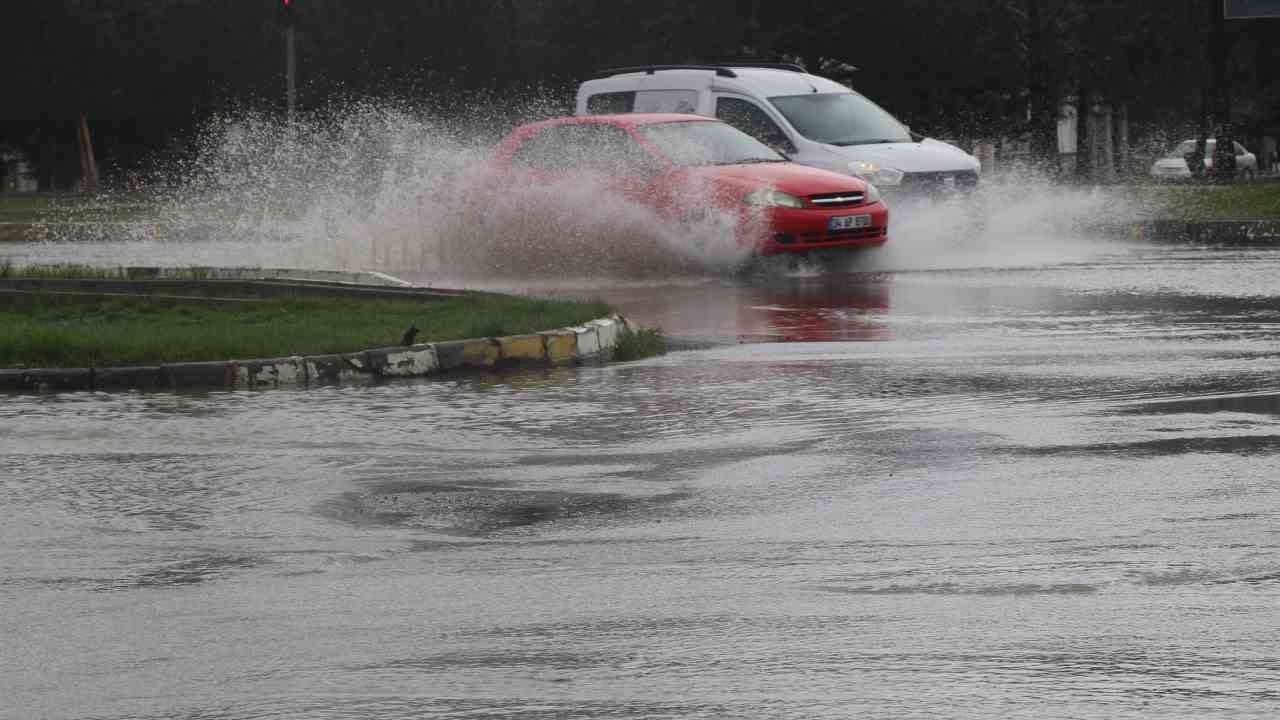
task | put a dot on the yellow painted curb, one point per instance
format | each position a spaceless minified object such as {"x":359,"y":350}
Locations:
{"x":522,"y":349}
{"x":480,"y":353}
{"x":592,"y":341}
{"x":562,"y":346}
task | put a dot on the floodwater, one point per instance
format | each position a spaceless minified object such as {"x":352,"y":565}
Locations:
{"x":1041,"y":489}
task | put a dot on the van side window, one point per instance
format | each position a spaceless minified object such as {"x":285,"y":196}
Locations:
{"x":750,"y":119}
{"x":611,"y":103}
{"x":666,"y":101}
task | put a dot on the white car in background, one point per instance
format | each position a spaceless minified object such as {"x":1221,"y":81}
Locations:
{"x":1174,"y":165}
{"x":809,"y":119}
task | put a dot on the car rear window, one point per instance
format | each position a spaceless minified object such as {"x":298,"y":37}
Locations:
{"x":706,"y":143}
{"x":590,"y":146}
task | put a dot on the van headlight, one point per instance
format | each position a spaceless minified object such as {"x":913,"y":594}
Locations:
{"x":875,"y":173}
{"x":871,"y":195}
{"x":766,"y":197}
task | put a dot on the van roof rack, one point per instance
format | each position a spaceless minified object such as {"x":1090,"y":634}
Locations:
{"x":722,"y":69}
{"x":793,"y":67}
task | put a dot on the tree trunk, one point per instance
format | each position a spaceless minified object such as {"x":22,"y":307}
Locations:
{"x":1043,"y":102}
{"x":1122,"y":139}
{"x":1084,"y":136}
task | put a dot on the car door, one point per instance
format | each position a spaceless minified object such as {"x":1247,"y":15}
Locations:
{"x":752,"y":119}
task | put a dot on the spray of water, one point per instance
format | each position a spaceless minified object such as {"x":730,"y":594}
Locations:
{"x":1017,"y":219}
{"x":384,"y":187}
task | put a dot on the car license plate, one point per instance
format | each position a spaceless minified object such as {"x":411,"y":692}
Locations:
{"x":948,"y":182}
{"x":848,"y":222}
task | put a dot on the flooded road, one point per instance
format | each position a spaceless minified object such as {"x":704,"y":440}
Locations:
{"x":1036,"y":490}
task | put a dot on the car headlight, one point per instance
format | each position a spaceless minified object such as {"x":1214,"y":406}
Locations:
{"x":876,"y":174}
{"x":767,"y":197}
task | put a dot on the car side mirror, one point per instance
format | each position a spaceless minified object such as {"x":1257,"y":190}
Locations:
{"x":783,"y":147}
{"x":915,"y":136}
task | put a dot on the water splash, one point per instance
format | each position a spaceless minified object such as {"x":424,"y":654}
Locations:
{"x":1017,"y":219}
{"x":384,"y":186}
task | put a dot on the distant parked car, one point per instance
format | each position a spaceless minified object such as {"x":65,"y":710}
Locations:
{"x":686,"y":165}
{"x":1174,"y":165}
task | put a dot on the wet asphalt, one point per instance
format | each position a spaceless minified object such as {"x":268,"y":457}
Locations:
{"x":1018,"y":487}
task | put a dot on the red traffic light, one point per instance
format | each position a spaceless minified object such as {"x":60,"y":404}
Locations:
{"x":287,"y":12}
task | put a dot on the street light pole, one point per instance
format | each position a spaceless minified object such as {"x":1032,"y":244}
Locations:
{"x":287,"y":16}
{"x":290,"y":71}
{"x":1224,"y":154}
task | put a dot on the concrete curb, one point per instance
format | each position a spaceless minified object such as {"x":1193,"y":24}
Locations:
{"x":345,"y":277}
{"x":591,"y":342}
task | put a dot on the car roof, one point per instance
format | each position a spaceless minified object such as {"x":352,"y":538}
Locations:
{"x":770,"y":82}
{"x":621,"y":119}
{"x":762,"y":82}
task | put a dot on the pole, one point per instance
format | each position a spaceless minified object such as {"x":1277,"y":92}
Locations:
{"x":1224,"y":155}
{"x":290,"y":72}
{"x":88,"y":163}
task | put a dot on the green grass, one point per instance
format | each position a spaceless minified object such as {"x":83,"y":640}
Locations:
{"x":53,"y":333}
{"x":13,"y":203}
{"x":71,"y":207}
{"x":74,"y":271}
{"x":64,"y":271}
{"x":639,"y":344}
{"x":1204,"y":202}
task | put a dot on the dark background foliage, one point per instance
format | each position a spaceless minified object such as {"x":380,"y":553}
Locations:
{"x":147,"y":73}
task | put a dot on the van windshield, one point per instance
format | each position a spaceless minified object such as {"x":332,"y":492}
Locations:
{"x":707,"y":143}
{"x":840,"y":119}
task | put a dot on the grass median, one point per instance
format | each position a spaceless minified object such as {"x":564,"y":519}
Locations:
{"x":1203,"y":202}
{"x":50,"y":331}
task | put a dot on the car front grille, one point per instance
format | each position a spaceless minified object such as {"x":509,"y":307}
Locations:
{"x":835,"y":200}
{"x":864,"y":232}
{"x":938,"y":182}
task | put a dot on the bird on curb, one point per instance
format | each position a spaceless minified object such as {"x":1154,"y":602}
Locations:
{"x":409,"y":335}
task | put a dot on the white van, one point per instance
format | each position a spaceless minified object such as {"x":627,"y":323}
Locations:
{"x":809,"y":119}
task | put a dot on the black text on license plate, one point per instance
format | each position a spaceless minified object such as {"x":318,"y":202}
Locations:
{"x":848,"y":222}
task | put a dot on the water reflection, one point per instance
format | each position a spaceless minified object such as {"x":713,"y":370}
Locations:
{"x":771,"y":308}
{"x":817,"y":309}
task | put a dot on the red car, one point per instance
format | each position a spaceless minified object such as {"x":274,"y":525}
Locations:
{"x":683,"y":166}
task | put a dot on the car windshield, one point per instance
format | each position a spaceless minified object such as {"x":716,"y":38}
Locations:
{"x":840,"y":119}
{"x":1188,"y":147}
{"x":707,"y":143}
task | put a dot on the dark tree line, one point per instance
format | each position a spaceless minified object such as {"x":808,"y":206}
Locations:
{"x":146,"y":73}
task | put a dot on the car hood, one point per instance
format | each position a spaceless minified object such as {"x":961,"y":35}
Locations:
{"x":788,"y":177}
{"x":911,"y":157}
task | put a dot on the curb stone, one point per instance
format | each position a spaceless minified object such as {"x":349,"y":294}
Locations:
{"x":591,"y":342}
